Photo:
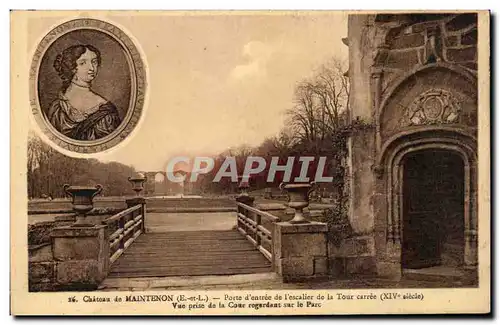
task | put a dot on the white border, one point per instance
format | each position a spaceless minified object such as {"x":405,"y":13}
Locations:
{"x":143,"y":4}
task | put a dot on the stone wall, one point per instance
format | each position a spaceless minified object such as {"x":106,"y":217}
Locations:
{"x":41,"y":268}
{"x":411,"y":43}
{"x":75,"y":259}
{"x":360,"y":60}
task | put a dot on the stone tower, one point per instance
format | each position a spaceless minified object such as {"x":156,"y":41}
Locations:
{"x":413,"y":170}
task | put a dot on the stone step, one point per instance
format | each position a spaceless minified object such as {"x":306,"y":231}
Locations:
{"x":443,"y":274}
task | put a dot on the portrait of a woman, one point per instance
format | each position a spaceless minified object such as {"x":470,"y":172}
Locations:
{"x":79,"y":112}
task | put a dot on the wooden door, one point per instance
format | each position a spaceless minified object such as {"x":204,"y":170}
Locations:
{"x":432,"y":192}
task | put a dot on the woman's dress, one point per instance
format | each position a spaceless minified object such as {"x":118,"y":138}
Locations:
{"x":97,"y":123}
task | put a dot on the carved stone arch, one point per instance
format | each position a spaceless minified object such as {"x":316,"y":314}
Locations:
{"x":437,"y":94}
{"x":389,"y":211}
{"x":433,"y":133}
{"x":398,"y":82}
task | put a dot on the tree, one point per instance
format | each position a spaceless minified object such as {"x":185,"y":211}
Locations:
{"x":48,"y":170}
{"x":320,"y":103}
{"x":331,"y":88}
{"x":304,"y":114}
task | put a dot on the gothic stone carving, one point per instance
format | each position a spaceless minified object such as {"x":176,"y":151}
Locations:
{"x":434,"y":106}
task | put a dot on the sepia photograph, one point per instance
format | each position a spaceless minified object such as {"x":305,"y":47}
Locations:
{"x":297,"y":162}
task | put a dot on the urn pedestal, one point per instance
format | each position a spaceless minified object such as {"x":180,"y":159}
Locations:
{"x":300,"y":245}
{"x":82,"y":249}
{"x":301,"y":251}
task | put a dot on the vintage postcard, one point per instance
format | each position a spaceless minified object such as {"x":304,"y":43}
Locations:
{"x":250,"y":162}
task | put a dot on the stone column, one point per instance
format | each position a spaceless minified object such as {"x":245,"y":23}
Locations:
{"x":377,"y":90}
{"x":81,"y":255}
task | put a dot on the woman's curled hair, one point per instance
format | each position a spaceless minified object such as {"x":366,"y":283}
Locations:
{"x":65,"y":63}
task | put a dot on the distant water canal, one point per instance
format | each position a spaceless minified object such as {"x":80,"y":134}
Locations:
{"x":162,"y":222}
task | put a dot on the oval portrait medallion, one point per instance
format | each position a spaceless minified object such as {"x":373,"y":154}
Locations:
{"x":87,"y":85}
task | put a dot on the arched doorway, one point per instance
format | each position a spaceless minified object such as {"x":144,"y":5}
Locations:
{"x":433,"y":221}
{"x":429,"y":208}
{"x":426,"y":118}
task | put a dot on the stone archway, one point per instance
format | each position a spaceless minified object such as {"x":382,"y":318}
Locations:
{"x":390,"y":207}
{"x":431,"y":109}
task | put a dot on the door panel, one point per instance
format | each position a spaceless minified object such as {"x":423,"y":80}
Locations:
{"x":432,"y":192}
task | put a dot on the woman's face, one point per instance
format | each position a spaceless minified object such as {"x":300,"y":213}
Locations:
{"x":86,"y":66}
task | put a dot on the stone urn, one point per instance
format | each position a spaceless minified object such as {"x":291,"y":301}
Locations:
{"x":243,"y":185}
{"x":82,"y":201}
{"x":298,"y":194}
{"x":137,"y":182}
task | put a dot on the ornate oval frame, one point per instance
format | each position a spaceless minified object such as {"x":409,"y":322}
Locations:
{"x":137,"y":96}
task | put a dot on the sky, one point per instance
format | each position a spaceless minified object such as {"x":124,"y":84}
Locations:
{"x":216,"y":82}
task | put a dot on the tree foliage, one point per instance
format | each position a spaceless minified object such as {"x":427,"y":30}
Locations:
{"x":320,"y":104}
{"x":48,"y":170}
